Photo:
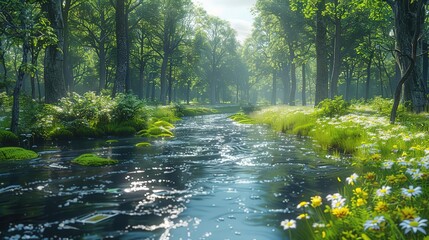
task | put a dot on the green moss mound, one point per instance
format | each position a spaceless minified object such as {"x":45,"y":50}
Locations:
{"x":16,"y":153}
{"x":143,"y":144}
{"x":8,"y":139}
{"x":164,"y":124}
{"x":111,"y":141}
{"x":93,"y":160}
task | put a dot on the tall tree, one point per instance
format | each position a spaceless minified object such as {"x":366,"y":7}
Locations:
{"x":55,"y":87}
{"x":409,"y":18}
{"x":121,"y":48}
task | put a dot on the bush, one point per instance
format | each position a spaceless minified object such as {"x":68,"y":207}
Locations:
{"x":60,"y":134}
{"x":127,"y":107}
{"x":16,"y":153}
{"x":8,"y":139}
{"x":124,"y":131}
{"x":93,"y":160}
{"x":333,"y":107}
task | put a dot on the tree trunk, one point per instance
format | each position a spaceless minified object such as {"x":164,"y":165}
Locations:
{"x":21,"y":72}
{"x":304,"y":85}
{"x":286,"y":82}
{"x":67,"y":66}
{"x":368,"y":76}
{"x":141,"y":84}
{"x":337,"y":58}
{"x":274,"y":92}
{"x":292,"y":77}
{"x":409,"y":18}
{"x":55,"y":87}
{"x":170,"y":82}
{"x":163,"y":79}
{"x":102,"y":55}
{"x":3,"y":69}
{"x":121,"y":45}
{"x":321,"y":55}
{"x":34,"y":56}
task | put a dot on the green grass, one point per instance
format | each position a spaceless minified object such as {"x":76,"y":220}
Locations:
{"x":93,"y":160}
{"x":394,"y":156}
{"x":16,"y":153}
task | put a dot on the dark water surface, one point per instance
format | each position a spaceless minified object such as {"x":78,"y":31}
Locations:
{"x":215,"y":180}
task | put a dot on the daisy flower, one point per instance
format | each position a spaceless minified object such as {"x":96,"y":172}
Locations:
{"x":303,"y":204}
{"x":316,"y":201}
{"x":416,"y":225}
{"x":352,"y":179}
{"x":383,"y":191}
{"x":411,"y":191}
{"x":374,"y":224}
{"x":288,"y":224}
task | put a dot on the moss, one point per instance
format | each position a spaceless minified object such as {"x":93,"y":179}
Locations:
{"x":164,"y":124}
{"x":8,"y":139}
{"x":143,"y":144}
{"x":159,"y":132}
{"x":111,"y":141}
{"x":84,"y":131}
{"x":16,"y":153}
{"x":60,"y":134}
{"x":242,"y":118}
{"x":93,"y":160}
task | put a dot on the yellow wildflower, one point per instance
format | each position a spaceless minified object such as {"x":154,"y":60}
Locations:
{"x":370,"y":176}
{"x":303,"y":216}
{"x":316,"y":201}
{"x":359,"y":192}
{"x":381,"y":206}
{"x":341,"y":212}
{"x":360,"y":202}
{"x":408,"y":213}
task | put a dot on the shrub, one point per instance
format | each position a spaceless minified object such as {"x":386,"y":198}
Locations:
{"x":332,"y":107}
{"x":93,"y":160}
{"x":124,"y":131}
{"x":127,"y":107}
{"x":8,"y":139}
{"x":382,"y":105}
{"x":16,"y":153}
{"x":60,"y":134}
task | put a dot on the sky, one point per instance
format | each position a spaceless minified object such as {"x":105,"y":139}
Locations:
{"x":237,"y":12}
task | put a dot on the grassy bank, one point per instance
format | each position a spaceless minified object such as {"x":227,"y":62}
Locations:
{"x":387,"y":196}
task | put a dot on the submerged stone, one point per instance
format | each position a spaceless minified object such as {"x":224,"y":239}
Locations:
{"x":143,"y":144}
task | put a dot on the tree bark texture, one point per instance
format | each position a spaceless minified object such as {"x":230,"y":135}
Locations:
{"x":336,"y":67}
{"x":121,"y":48}
{"x":274,"y":92}
{"x":304,"y":85}
{"x":292,"y":93}
{"x":321,"y":56}
{"x":55,"y":87}
{"x":67,"y":66}
{"x":409,"y":18}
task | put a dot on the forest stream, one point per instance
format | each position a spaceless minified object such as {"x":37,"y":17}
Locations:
{"x":215,"y":179}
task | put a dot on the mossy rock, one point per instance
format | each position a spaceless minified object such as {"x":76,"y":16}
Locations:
{"x":93,"y":160}
{"x":143,"y":144}
{"x":60,"y":134}
{"x":159,"y":132}
{"x":8,"y":139}
{"x":16,"y":153}
{"x":242,"y":118}
{"x":164,"y":124}
{"x":110,"y":141}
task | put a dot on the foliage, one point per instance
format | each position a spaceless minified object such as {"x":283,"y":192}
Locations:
{"x":124,"y":131}
{"x":16,"y":153}
{"x":60,"y":134}
{"x":8,"y":139}
{"x":186,"y":111}
{"x":127,"y":107}
{"x":93,"y":160}
{"x":332,"y":107}
{"x":242,"y":118}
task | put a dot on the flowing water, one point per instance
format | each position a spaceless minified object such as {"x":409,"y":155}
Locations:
{"x":215,"y":180}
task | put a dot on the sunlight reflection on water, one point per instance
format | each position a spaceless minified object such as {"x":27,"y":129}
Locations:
{"x":214,"y":180}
